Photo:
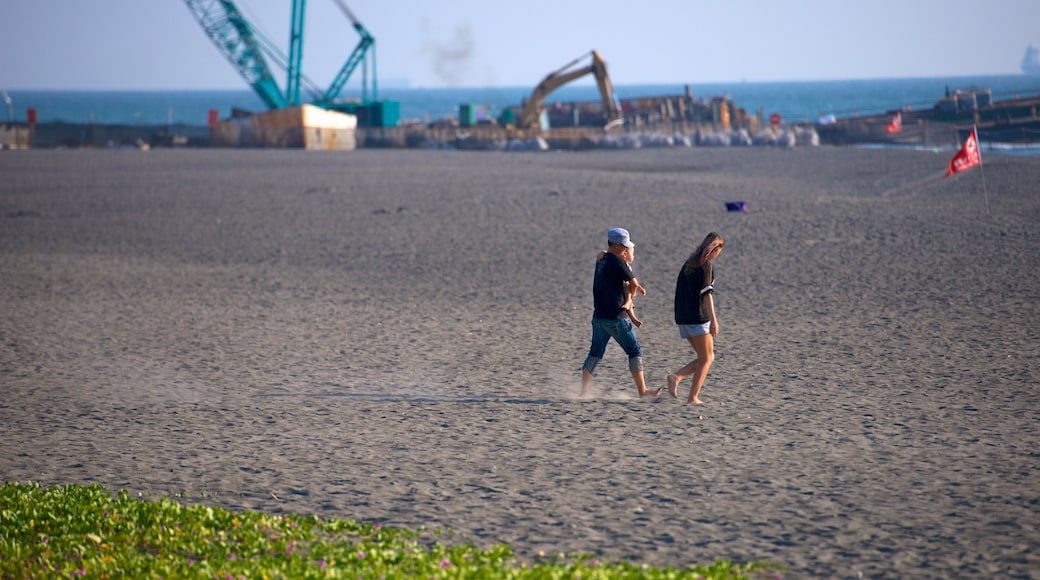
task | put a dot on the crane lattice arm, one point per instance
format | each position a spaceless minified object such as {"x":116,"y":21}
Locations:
{"x":367,"y":42}
{"x":244,"y":47}
{"x":235,"y":38}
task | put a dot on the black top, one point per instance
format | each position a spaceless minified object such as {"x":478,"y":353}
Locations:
{"x":690,"y":290}
{"x":608,"y":286}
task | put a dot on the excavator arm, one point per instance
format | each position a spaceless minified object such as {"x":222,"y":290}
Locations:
{"x":528,"y":117}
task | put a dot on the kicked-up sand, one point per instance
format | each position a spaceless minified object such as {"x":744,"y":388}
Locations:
{"x":395,"y":336}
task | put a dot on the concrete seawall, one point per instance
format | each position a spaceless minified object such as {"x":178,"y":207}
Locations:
{"x":76,"y":135}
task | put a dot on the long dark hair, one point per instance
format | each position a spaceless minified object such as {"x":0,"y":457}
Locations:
{"x":699,"y":257}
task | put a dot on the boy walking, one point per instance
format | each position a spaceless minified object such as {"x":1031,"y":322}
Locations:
{"x":611,"y":302}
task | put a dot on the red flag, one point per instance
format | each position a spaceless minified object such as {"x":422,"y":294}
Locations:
{"x":896,"y":124}
{"x":967,"y":157}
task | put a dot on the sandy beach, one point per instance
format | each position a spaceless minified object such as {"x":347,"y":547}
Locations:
{"x":396,"y":337}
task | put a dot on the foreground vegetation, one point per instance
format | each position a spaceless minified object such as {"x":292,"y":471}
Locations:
{"x":75,"y":531}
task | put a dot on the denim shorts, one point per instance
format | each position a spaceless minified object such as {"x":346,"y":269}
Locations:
{"x":620,"y":329}
{"x":692,"y":330}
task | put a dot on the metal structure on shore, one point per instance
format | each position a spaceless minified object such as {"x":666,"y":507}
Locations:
{"x":249,"y":52}
{"x":289,"y":121}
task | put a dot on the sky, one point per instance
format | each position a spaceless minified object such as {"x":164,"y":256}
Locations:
{"x":158,"y":44}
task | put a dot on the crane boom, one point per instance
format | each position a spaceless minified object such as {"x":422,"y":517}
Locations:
{"x":356,"y":57}
{"x":292,"y":90}
{"x":235,"y":38}
{"x":245,"y":47}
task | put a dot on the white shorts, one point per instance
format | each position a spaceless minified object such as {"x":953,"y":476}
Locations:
{"x":692,"y":330}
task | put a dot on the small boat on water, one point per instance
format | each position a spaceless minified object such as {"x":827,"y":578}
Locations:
{"x":1031,"y":61}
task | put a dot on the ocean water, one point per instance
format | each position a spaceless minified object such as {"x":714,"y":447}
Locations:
{"x":802,"y":101}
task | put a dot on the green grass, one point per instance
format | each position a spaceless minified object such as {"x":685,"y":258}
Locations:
{"x":75,"y":531}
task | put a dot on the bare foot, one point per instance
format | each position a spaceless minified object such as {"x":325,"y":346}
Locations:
{"x":695,"y":401}
{"x":673,"y":386}
{"x":651,"y":393}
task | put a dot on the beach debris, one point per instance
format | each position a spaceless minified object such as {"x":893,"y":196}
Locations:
{"x":788,"y":137}
{"x":641,"y":140}
{"x":533,"y":144}
{"x":738,"y":138}
{"x":383,"y":210}
{"x":21,"y":213}
{"x":807,"y":136}
{"x":736,"y":206}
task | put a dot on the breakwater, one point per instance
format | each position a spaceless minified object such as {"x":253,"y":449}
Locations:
{"x":483,"y":137}
{"x":93,"y":135}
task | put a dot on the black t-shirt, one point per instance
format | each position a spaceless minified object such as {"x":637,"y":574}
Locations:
{"x":690,"y":290}
{"x":608,"y":286}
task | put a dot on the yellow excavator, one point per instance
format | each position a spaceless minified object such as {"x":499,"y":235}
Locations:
{"x":530,"y":114}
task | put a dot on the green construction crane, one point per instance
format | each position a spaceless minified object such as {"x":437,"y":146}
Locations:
{"x":235,"y":37}
{"x":358,"y":56}
{"x":247,"y":49}
{"x":292,"y":91}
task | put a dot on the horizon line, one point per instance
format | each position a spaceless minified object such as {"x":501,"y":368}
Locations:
{"x":399,"y":84}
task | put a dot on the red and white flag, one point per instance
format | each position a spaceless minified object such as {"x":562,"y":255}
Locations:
{"x":967,"y":157}
{"x":896,"y":124}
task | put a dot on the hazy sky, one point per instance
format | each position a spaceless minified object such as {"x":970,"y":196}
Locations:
{"x":157,"y":44}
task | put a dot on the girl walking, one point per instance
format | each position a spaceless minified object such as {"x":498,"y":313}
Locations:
{"x":695,"y":315}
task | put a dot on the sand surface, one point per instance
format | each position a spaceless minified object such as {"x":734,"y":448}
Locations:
{"x":396,"y":336}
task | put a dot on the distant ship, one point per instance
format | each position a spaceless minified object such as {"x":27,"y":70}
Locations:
{"x":1031,"y":61}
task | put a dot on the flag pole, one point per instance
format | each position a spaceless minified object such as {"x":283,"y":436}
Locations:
{"x":982,"y":170}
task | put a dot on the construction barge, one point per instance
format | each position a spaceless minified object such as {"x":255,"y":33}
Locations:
{"x":948,"y":122}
